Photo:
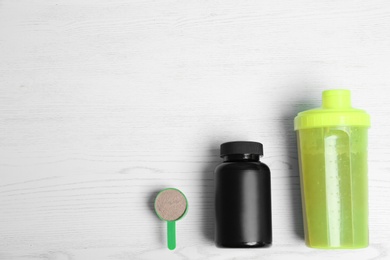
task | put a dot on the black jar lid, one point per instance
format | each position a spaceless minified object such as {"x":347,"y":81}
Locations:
{"x":241,"y":147}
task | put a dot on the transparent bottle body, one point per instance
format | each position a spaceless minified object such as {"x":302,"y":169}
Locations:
{"x":333,"y":174}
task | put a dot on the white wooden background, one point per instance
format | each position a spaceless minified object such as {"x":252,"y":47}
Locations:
{"x":103,"y":103}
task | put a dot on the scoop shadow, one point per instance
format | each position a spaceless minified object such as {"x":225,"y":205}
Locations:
{"x":150,"y":202}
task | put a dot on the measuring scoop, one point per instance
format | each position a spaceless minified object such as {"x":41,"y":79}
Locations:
{"x":170,"y":206}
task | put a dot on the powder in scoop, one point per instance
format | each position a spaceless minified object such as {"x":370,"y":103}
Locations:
{"x":170,"y":204}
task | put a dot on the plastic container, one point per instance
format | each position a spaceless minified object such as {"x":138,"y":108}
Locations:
{"x":242,"y":197}
{"x":332,"y":146}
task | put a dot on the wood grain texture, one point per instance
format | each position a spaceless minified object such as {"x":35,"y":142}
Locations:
{"x":104,"y":103}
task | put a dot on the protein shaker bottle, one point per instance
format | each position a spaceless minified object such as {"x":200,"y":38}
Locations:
{"x":332,"y":146}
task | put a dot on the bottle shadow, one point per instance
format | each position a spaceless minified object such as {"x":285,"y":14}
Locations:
{"x":293,"y":167}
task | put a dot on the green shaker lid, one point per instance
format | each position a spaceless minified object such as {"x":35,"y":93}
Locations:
{"x":336,"y":110}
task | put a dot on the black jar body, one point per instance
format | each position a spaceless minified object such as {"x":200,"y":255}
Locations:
{"x":242,"y":202}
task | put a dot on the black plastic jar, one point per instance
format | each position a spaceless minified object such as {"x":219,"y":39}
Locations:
{"x":242,"y":197}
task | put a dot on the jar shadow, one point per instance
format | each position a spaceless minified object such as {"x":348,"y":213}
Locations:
{"x":207,"y":215}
